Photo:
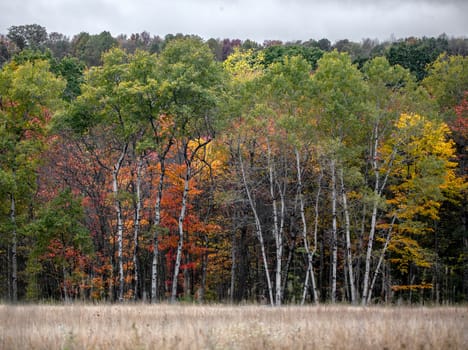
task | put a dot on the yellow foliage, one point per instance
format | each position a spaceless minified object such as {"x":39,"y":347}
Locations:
{"x":422,"y":167}
{"x":407,"y":251}
{"x":244,"y":65}
{"x":212,"y":158}
{"x":413,"y":287}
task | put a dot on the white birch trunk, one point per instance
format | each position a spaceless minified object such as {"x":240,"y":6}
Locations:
{"x":378,"y":189}
{"x":369,"y":251}
{"x":118,"y":209}
{"x":276,"y":231}
{"x":310,"y":254}
{"x":382,"y":255}
{"x":136,"y":231}
{"x":334,"y":230}
{"x":258,"y":229}
{"x":373,"y":218}
{"x":349,"y":257}
{"x":281,"y":192}
{"x":157,"y":221}
{"x":181,"y":232}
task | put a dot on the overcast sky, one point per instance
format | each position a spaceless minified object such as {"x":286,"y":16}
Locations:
{"x":258,"y":20}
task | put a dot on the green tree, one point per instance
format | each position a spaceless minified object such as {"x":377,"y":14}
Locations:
{"x":422,"y":173}
{"x":28,"y":95}
{"x":416,"y":54}
{"x":72,"y":70}
{"x":447,"y":82}
{"x":277,"y":53}
{"x":5,"y":50}
{"x":89,"y":48}
{"x":60,"y":244}
{"x":191,"y":86}
{"x":59,"y":44}
{"x":286,"y":88}
{"x":32,"y":36}
{"x":104,"y":111}
{"x":342,"y":120}
{"x":392,"y":91}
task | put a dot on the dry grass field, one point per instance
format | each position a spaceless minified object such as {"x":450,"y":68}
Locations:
{"x":144,"y":326}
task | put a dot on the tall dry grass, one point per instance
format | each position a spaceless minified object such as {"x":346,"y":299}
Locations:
{"x":230,"y":327}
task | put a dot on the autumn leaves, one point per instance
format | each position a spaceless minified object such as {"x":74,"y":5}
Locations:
{"x":173,"y":174}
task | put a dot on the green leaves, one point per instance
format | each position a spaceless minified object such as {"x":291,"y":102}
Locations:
{"x":341,"y":97}
{"x":28,"y":93}
{"x":192,"y":85}
{"x":447,"y":81}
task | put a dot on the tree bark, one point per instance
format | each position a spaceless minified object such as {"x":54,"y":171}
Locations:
{"x":136,"y":231}
{"x":382,"y":255}
{"x":181,"y":229}
{"x":310,"y":254}
{"x":157,"y":221}
{"x":334,"y":242}
{"x":188,"y":160}
{"x":258,"y":228}
{"x":349,"y":257}
{"x":118,"y":209}
{"x":378,"y":188}
{"x":276,"y":230}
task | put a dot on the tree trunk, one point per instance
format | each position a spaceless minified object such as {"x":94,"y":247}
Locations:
{"x":289,"y":260}
{"x":382,"y":255}
{"x":310,"y":254}
{"x":276,"y":230}
{"x":181,"y":232}
{"x":334,"y":242}
{"x":157,"y":221}
{"x":118,"y":209}
{"x":369,"y":252}
{"x":136,"y":231}
{"x":258,"y":229}
{"x":14,"y":243}
{"x":378,"y":188}
{"x":370,"y":242}
{"x":349,"y":258}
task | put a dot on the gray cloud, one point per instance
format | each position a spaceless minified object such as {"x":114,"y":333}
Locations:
{"x":258,"y":20}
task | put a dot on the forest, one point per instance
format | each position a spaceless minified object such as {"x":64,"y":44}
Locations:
{"x":173,"y":169}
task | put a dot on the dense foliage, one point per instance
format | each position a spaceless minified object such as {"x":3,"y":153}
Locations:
{"x":177,"y":169}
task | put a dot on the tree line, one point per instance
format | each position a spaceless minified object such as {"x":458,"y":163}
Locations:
{"x":173,"y":169}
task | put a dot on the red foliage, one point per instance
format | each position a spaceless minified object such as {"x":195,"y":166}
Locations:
{"x":460,"y":125}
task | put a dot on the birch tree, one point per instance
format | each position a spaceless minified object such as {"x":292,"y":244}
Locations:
{"x":192,"y":82}
{"x":106,"y":108}
{"x":342,"y":114}
{"x":423,"y":169}
{"x":245,"y":74}
{"x":392,"y":90}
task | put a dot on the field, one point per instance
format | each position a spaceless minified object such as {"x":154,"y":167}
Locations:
{"x":143,"y":326}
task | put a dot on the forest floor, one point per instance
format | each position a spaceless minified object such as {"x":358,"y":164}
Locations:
{"x":143,"y":326}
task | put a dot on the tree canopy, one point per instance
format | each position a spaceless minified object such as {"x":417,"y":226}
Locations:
{"x":142,"y":167}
